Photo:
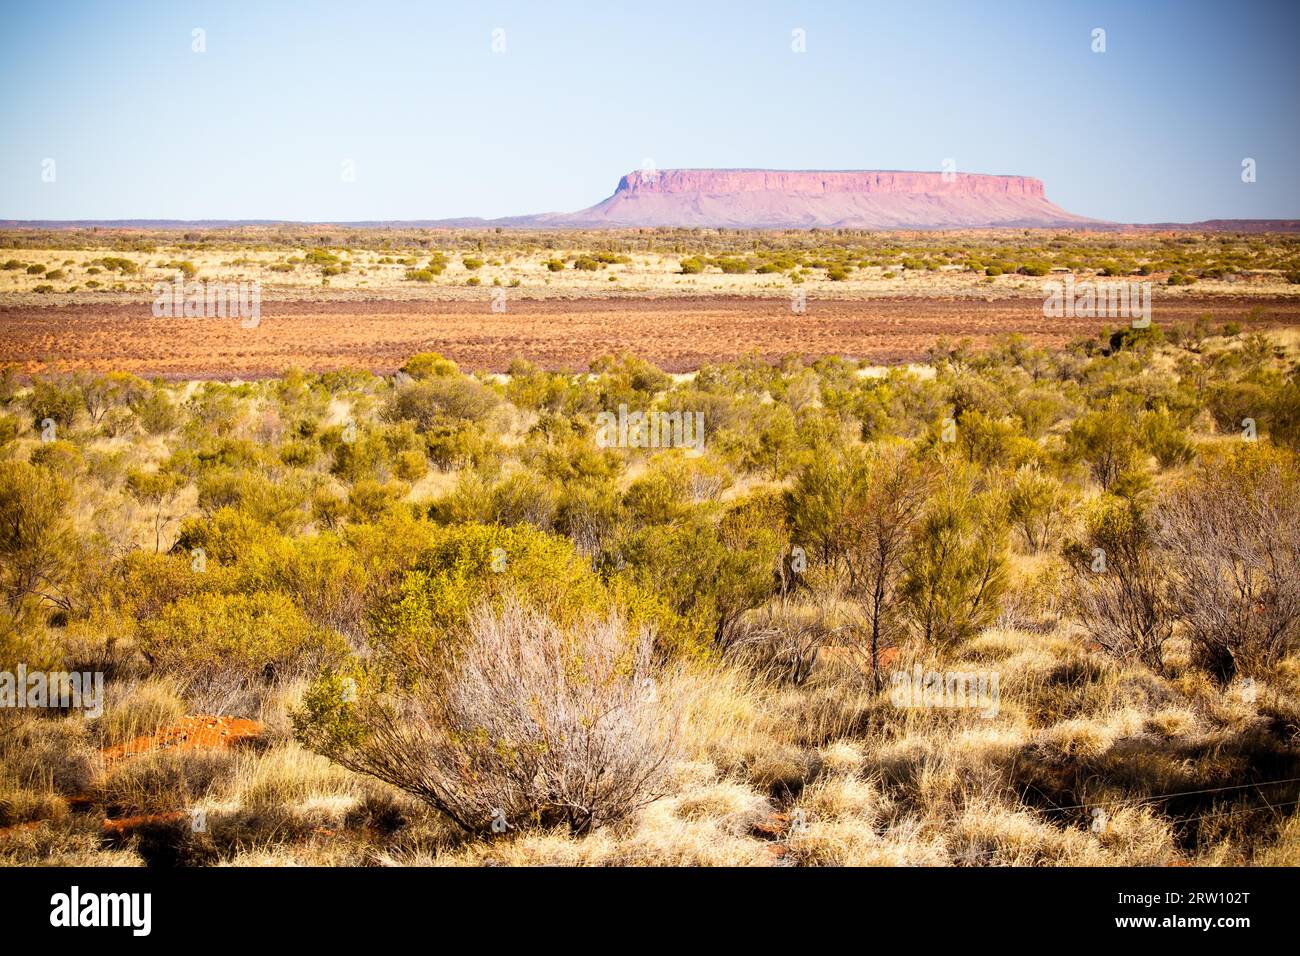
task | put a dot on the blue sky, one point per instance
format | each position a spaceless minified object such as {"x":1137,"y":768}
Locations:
{"x":438,"y":125}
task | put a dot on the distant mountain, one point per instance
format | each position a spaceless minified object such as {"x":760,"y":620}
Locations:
{"x":768,"y":199}
{"x":1225,"y":225}
{"x":774,"y":199}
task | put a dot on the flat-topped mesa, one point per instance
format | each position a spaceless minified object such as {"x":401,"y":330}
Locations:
{"x":808,"y":182}
{"x":806,"y":199}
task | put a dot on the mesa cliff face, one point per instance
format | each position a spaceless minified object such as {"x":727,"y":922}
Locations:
{"x":821,"y":184}
{"x":858,"y":199}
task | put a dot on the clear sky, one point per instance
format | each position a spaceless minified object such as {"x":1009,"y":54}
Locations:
{"x":437,"y":124}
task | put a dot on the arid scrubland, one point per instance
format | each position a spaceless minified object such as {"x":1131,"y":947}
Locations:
{"x":88,"y":266}
{"x":1012,"y":607}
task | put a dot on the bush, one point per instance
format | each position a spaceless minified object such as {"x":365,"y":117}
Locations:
{"x":61,"y":457}
{"x":1231,"y":403}
{"x":471,"y":263}
{"x":120,"y":264}
{"x":432,"y":401}
{"x":155,"y":411}
{"x":555,"y":265}
{"x":1121,"y":588}
{"x":208,"y":638}
{"x":1233,"y":534}
{"x":732,"y":266}
{"x":1036,"y":504}
{"x":460,"y":567}
{"x":531,"y":725}
{"x":54,"y":400}
{"x":430,"y":365}
{"x":37,"y":544}
{"x":954,"y":574}
{"x":411,"y":465}
{"x":371,"y":501}
{"x":708,"y":575}
{"x":1107,"y":441}
{"x":1162,"y":437}
{"x":279,"y":503}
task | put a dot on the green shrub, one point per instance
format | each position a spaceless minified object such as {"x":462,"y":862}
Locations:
{"x":155,"y":411}
{"x":1037,"y":505}
{"x":61,"y":457}
{"x":1162,"y":437}
{"x":264,"y":636}
{"x":433,"y":401}
{"x":429,"y":365}
{"x":954,"y":574}
{"x":119,"y":264}
{"x":54,"y":400}
{"x":1107,"y":440}
{"x":37,"y":542}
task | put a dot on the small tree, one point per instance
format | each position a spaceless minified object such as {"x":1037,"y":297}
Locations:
{"x":36,"y":538}
{"x":954,"y":575}
{"x":1107,"y":441}
{"x":879,"y":518}
{"x":1036,"y":505}
{"x":157,"y":490}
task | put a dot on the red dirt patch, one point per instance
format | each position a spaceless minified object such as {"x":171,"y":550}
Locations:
{"x":20,"y":828}
{"x":127,"y":824}
{"x":772,"y":827}
{"x":190,"y":733}
{"x":677,"y":334}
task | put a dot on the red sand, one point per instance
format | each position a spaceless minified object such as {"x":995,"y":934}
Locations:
{"x":190,"y":733}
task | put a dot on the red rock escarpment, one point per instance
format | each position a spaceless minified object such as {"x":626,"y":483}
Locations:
{"x":858,"y":199}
